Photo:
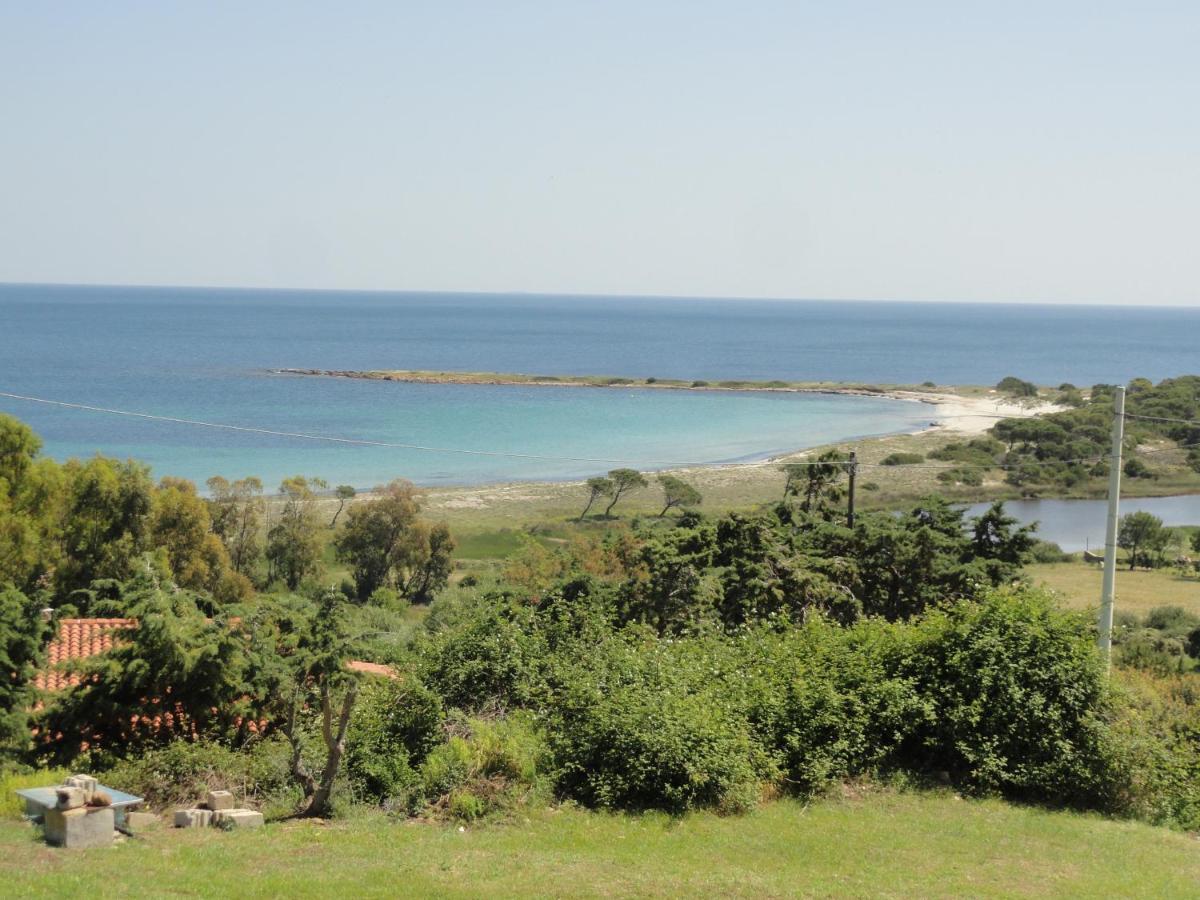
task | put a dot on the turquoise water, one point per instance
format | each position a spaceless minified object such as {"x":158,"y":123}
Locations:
{"x":206,"y":354}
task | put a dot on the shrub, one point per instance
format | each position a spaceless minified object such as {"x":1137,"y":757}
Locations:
{"x":182,"y":772}
{"x":1135,"y":468}
{"x":826,"y":700}
{"x":485,"y":768}
{"x":902,"y":459}
{"x":1048,"y":552}
{"x":699,"y":383}
{"x":1017,"y":387}
{"x":640,"y":728}
{"x":396,"y":723}
{"x":1019,"y":700}
{"x":969,"y":477}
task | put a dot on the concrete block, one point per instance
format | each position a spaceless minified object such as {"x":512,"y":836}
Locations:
{"x":79,"y":828}
{"x":142,"y":821}
{"x":69,"y":798}
{"x":193,"y":818}
{"x":220,"y":800}
{"x":86,"y":783}
{"x":238,"y":818}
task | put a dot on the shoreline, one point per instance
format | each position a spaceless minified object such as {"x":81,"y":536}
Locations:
{"x":957,"y":411}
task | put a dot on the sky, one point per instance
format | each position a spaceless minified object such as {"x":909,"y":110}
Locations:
{"x":1036,"y":152}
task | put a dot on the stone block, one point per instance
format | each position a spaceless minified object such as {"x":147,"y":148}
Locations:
{"x":238,"y":818}
{"x":79,"y":828}
{"x":142,"y":821}
{"x":86,"y":783}
{"x":69,"y":798}
{"x":193,"y":818}
{"x":218,"y":800}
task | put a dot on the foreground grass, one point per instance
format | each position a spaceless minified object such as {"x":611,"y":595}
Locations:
{"x":1138,"y":592}
{"x":882,"y":844}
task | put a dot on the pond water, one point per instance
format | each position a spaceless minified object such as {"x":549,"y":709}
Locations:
{"x":1079,"y":524}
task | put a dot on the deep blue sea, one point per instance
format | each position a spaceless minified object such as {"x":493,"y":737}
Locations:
{"x":206,"y":354}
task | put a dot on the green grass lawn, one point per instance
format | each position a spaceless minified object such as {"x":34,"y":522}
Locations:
{"x":1138,"y":592}
{"x":882,"y":844}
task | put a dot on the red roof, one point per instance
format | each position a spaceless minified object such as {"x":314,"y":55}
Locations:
{"x":81,"y":638}
{"x":78,"y":639}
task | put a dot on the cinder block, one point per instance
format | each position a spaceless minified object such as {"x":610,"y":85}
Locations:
{"x":69,"y":798}
{"x":238,"y":818}
{"x":142,"y":821}
{"x":86,"y":783}
{"x":218,"y":800}
{"x":193,"y":818}
{"x":79,"y":828}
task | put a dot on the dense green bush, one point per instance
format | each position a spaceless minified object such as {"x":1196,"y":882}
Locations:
{"x":1019,"y":701}
{"x":902,"y":459}
{"x":395,"y":726}
{"x":645,"y":725}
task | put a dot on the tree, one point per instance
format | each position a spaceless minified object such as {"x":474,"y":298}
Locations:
{"x":298,"y":669}
{"x":1140,"y":532}
{"x":623,"y":481}
{"x":816,"y":482}
{"x":597,"y":487}
{"x":388,"y":545}
{"x":180,"y":526}
{"x":23,"y":637}
{"x":294,"y":543}
{"x":343,"y":492}
{"x":237,"y":511}
{"x":105,"y":521}
{"x":677,"y":493}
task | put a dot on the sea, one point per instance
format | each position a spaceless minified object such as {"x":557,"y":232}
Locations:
{"x":210,"y":355}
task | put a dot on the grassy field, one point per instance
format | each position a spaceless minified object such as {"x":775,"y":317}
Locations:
{"x":1138,"y":592}
{"x":881,"y":844}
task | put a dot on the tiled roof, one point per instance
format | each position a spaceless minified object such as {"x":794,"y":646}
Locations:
{"x":78,"y":639}
{"x":81,"y":638}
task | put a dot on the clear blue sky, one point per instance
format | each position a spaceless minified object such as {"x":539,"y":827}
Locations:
{"x":974,"y":151}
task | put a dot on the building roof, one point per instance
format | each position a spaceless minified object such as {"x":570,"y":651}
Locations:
{"x":81,"y":638}
{"x":78,"y":639}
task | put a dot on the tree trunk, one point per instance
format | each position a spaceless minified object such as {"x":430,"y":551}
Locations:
{"x":333,"y":522}
{"x":616,"y":497}
{"x":591,"y":500}
{"x":318,"y":805}
{"x":664,"y":510}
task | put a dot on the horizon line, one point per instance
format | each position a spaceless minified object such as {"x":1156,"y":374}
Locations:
{"x":594,"y":295}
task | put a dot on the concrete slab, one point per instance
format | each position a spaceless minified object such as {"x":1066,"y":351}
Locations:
{"x":220,"y":800}
{"x":238,"y":818}
{"x":193,"y":818}
{"x":79,"y":828}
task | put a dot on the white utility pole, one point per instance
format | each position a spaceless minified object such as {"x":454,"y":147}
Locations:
{"x":1110,"y":535}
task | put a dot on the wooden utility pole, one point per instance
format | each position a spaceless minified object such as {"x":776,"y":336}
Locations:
{"x":1108,"y":589}
{"x":852,"y":468}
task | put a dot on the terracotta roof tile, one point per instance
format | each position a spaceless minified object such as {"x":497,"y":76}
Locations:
{"x":78,"y":639}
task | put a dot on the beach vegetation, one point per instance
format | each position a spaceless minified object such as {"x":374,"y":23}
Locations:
{"x":597,"y":487}
{"x":677,"y":494}
{"x":902,"y":459}
{"x":1017,"y":387}
{"x":623,"y":482}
